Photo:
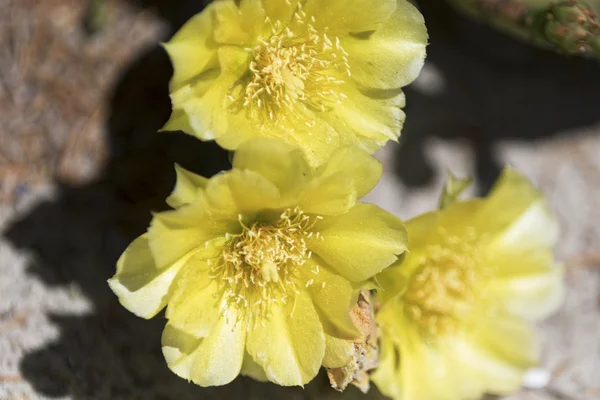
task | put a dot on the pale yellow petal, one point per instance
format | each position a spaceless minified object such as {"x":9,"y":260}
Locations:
{"x":240,"y":192}
{"x":291,"y":344}
{"x":281,"y":163}
{"x":278,"y":10}
{"x":394,"y":279}
{"x":360,"y":243}
{"x":506,"y":338}
{"x":317,"y":140}
{"x":338,"y":352}
{"x":252,"y":369}
{"x":238,"y":22}
{"x":421,"y":229}
{"x":207,"y":105}
{"x":345,"y":16}
{"x":187,"y":187}
{"x":536,"y":227}
{"x":194,"y":307}
{"x":492,"y":374}
{"x":364,"y":169}
{"x":392,"y":56}
{"x":368,"y":119}
{"x":211,"y":361}
{"x":178,"y":121}
{"x":141,"y":287}
{"x":510,"y":198}
{"x":332,"y":296}
{"x":173,"y":234}
{"x":192,"y":50}
{"x":528,"y":283}
{"x":329,"y":195}
{"x":419,"y":369}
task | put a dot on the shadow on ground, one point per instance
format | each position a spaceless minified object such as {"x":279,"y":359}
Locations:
{"x":486,"y":88}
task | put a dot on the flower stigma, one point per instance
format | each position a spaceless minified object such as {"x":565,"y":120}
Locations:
{"x":295,"y":63}
{"x":259,"y":266}
{"x":443,"y":289}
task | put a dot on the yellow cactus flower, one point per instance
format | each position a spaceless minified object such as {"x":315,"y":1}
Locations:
{"x":318,"y":74}
{"x":259,"y":266}
{"x":456,"y":313}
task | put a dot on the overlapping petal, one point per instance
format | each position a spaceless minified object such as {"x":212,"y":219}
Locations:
{"x":393,"y":55}
{"x":193,"y":49}
{"x":361,"y":242}
{"x":187,"y":187}
{"x":208,"y":361}
{"x":332,"y":296}
{"x":141,"y":287}
{"x":358,"y":15}
{"x":291,"y":344}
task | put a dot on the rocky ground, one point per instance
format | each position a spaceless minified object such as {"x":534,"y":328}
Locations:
{"x":81,"y":166}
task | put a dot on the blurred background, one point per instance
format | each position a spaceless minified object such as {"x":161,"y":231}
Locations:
{"x":83,"y":90}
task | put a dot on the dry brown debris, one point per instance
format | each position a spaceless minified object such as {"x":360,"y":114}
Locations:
{"x":365,"y":350}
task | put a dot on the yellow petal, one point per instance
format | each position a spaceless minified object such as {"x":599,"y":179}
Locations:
{"x":536,"y":227}
{"x":289,"y":347}
{"x":368,"y":119}
{"x":178,"y":121}
{"x":360,"y":243}
{"x":329,"y":195}
{"x":211,"y":361}
{"x":207,"y":105}
{"x":492,"y":374}
{"x":393,"y":55}
{"x":240,"y":192}
{"x":252,"y":369}
{"x":281,"y":163}
{"x":172,"y":234}
{"x":413,"y":368}
{"x":394,"y":279}
{"x":186,"y":187}
{"x":141,"y":287}
{"x":345,"y":16}
{"x":338,"y":352}
{"x":387,"y":376}
{"x":511,"y":197}
{"x":316,"y":141}
{"x":421,"y":229}
{"x":528,"y":283}
{"x":238,"y":23}
{"x":332,"y":295}
{"x":278,"y":10}
{"x":364,"y":169}
{"x":506,"y":338}
{"x":192,"y":50}
{"x":194,"y":307}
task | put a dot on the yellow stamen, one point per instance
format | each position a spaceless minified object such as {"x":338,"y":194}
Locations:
{"x":443,"y":289}
{"x":259,"y":266}
{"x":295,"y":64}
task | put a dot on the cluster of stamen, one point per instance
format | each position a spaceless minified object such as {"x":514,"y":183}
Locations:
{"x":295,"y":63}
{"x":443,"y":289}
{"x":258,"y":267}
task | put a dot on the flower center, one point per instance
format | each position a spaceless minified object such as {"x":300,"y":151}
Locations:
{"x":295,"y":64}
{"x":443,"y":289}
{"x":259,"y":266}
